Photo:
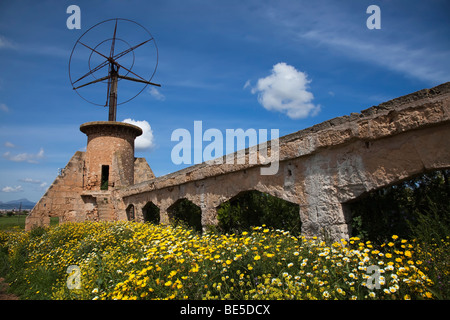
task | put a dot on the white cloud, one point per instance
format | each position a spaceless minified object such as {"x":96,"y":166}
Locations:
{"x":146,"y":140}
{"x":286,"y":90}
{"x":43,"y":186}
{"x":4,"y":107}
{"x":9,"y":144}
{"x":156,"y":94}
{"x":12,"y":189}
{"x":22,"y":157}
{"x":30,"y":180}
{"x":419,"y":63}
{"x":407,"y":44}
{"x":6,"y":44}
{"x":40,"y":185}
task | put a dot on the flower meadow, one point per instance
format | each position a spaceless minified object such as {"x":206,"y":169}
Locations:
{"x":129,"y":260}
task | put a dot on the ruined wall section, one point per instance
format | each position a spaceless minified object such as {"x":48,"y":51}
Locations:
{"x":63,"y":197}
{"x":68,"y":198}
{"x":142,"y":171}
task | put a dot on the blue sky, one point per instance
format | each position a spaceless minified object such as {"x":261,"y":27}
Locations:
{"x":259,"y":64}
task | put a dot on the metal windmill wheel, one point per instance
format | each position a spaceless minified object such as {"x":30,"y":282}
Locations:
{"x":111,"y":60}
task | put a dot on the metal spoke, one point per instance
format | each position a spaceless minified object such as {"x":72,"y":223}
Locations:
{"x":95,"y":81}
{"x":119,"y":55}
{"x":101,"y":65}
{"x":94,"y":50}
{"x":111,"y":53}
{"x":137,"y":80}
{"x":117,"y":64}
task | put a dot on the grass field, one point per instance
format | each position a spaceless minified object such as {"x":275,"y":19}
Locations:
{"x":17,"y":222}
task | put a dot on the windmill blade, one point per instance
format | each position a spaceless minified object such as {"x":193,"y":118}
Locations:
{"x":101,"y":65}
{"x":137,"y":80}
{"x":95,"y":81}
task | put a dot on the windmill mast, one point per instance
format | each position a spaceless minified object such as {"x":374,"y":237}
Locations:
{"x":114,"y":75}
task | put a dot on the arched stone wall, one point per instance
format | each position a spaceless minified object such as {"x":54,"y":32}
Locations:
{"x":325,"y":166}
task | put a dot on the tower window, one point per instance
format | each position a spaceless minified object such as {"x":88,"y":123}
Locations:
{"x":105,"y":178}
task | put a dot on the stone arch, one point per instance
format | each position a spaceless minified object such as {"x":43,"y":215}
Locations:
{"x":131,"y":214}
{"x":187,"y":212}
{"x":151,"y":213}
{"x":253,"y":208}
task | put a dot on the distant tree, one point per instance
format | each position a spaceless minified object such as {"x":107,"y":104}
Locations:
{"x":403,"y":209}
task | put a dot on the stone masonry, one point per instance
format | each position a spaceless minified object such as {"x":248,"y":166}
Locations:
{"x":78,"y":193}
{"x":321,"y":168}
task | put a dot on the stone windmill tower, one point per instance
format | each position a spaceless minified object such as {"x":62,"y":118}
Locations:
{"x":84,"y":188}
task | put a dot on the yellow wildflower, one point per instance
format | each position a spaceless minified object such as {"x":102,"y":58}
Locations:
{"x":168,"y":283}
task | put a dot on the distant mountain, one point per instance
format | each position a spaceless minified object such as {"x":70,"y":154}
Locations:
{"x":15,"y":204}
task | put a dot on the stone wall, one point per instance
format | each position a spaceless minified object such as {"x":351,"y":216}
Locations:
{"x":322,"y":167}
{"x":62,"y":198}
{"x":71,"y":200}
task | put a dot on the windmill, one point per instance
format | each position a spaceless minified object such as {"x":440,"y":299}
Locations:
{"x":105,"y":55}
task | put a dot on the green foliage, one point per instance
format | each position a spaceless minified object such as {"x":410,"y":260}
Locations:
{"x":254,"y":208}
{"x":151,"y":213}
{"x":187,"y":214}
{"x":37,"y":232}
{"x":4,"y":261}
{"x":414,"y":209}
{"x":104,"y":185}
{"x":417,"y":208}
{"x":432,"y":229}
